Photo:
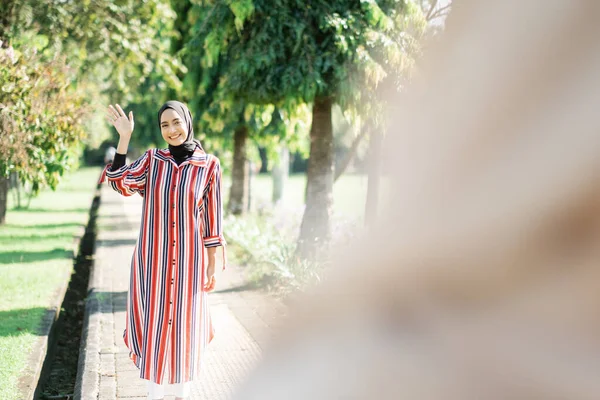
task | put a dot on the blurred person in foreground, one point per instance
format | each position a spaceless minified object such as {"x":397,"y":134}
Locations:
{"x":483,"y":282}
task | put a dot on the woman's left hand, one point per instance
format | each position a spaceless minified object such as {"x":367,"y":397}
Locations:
{"x":209,"y":286}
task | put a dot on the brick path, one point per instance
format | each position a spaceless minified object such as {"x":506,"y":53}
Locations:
{"x":243,"y":318}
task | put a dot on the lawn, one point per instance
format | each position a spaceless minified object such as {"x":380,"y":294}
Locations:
{"x":349,"y":193}
{"x":35,"y":260}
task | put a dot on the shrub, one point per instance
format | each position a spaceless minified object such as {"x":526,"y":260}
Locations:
{"x":41,"y":117}
{"x":267,"y":241}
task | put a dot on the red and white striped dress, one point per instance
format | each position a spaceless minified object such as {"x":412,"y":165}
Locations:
{"x":168,"y":321}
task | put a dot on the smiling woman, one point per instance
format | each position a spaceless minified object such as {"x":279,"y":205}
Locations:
{"x":168,"y":325}
{"x":172,"y":128}
{"x":176,"y":128}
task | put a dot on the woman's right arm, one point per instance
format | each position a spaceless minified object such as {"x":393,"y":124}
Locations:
{"x":125,"y":179}
{"x":129,"y":179}
{"x":118,"y":161}
{"x":120,"y":158}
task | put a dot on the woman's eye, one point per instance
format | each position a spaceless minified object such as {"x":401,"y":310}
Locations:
{"x":178,"y":123}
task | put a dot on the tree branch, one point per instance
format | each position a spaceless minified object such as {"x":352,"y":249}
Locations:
{"x":440,"y":13}
{"x":431,"y":9}
{"x":339,"y":169}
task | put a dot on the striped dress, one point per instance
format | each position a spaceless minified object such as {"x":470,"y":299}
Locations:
{"x":168,"y":322}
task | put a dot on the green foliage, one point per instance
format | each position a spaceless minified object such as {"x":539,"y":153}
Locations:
{"x":40,"y":117}
{"x":218,"y":109}
{"x":242,"y":10}
{"x":287,"y":52}
{"x":122,"y":42}
{"x":120,"y":50}
{"x":384,"y":63}
{"x":287,"y":127}
{"x":266,"y":243}
{"x":114,"y":51}
{"x":289,"y":49}
{"x":145,"y":71}
{"x":270,"y":254}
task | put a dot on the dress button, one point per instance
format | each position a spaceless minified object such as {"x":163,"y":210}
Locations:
{"x":173,"y":206}
{"x":173,"y":243}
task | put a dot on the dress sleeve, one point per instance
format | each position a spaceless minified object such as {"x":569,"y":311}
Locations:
{"x":213,"y":207}
{"x":118,"y":161}
{"x":128,"y":179}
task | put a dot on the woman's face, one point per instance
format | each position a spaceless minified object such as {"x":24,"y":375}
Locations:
{"x":173,"y":127}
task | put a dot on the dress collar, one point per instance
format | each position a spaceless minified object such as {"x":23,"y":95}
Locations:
{"x":198,"y":158}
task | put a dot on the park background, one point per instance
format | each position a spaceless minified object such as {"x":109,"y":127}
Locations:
{"x":290,"y":95}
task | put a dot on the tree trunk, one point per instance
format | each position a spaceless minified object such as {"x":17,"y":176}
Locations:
{"x":250,"y":167}
{"x":4,"y":182}
{"x":16,"y":186}
{"x":7,"y":20}
{"x":238,"y":196}
{"x":280,"y":173}
{"x":315,"y":227}
{"x":343,"y":165}
{"x":374,"y":177}
{"x":264,"y":160}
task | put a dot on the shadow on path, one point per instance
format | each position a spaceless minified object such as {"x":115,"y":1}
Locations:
{"x":242,"y":288}
{"x":116,"y":242}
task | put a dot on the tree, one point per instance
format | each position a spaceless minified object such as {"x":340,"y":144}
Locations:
{"x":69,"y":49}
{"x":225,"y":112}
{"x":279,"y":173}
{"x":316,"y":46}
{"x":287,"y":131}
{"x":40,"y":120}
{"x":394,"y":53}
{"x":218,"y":116}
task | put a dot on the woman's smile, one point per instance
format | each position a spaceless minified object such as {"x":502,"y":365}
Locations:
{"x":173,"y":129}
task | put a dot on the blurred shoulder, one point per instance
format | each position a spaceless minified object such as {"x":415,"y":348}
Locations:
{"x":212,"y":160}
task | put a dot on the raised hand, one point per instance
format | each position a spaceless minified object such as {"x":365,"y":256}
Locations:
{"x":117,"y":118}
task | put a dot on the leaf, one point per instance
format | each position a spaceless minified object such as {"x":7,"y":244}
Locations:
{"x":242,"y":9}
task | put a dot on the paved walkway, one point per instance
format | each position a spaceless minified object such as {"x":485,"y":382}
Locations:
{"x":242,"y":317}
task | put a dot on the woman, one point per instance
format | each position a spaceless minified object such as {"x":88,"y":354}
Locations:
{"x":168,"y":323}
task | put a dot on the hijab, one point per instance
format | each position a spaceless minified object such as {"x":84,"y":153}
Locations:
{"x":186,"y":149}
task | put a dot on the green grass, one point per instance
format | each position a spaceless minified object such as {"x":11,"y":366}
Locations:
{"x":349,"y":193}
{"x":35,"y":259}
